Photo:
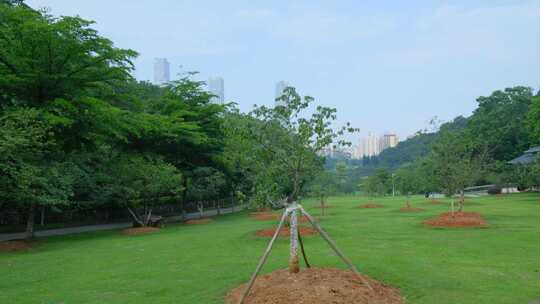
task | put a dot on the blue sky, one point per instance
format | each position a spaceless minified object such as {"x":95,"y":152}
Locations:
{"x":385,"y":65}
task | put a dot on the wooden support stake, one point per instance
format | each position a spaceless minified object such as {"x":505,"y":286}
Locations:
{"x":263,"y":258}
{"x":333,"y":245}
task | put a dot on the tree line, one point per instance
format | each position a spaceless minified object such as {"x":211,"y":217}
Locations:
{"x":470,"y":151}
{"x":78,"y":132}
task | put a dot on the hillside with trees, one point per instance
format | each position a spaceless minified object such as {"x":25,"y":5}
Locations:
{"x":468,"y":151}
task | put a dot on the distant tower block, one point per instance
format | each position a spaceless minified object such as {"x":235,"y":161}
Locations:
{"x":216,"y":86}
{"x":161,"y":71}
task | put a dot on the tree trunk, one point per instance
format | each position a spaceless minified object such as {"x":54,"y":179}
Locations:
{"x":42,"y":220}
{"x":294,"y":266}
{"x":461,"y":201}
{"x":148,"y":215}
{"x":408,"y":203}
{"x":30,"y":221}
{"x":201,"y":210}
{"x":232,"y":201}
{"x":135,"y":217}
{"x":184,"y":198}
{"x":322,"y":206}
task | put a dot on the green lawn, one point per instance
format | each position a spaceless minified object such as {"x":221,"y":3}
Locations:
{"x":199,"y":264}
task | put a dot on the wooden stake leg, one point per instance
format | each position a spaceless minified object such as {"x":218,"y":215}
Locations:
{"x":263,"y":258}
{"x":333,"y":245}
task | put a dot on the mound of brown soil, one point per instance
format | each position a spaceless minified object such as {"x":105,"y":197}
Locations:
{"x":460,"y":219}
{"x":285,"y":231}
{"x":14,"y":246}
{"x":411,"y":209}
{"x":198,"y":222}
{"x":367,"y":206}
{"x":139,"y":230}
{"x":264,"y":216}
{"x":315,"y":286}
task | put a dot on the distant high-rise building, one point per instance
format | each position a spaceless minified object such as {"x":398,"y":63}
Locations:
{"x":369,"y":146}
{"x":161,"y":71}
{"x":389,"y":141}
{"x":216,"y":86}
{"x":280,"y":89}
{"x":373,"y":145}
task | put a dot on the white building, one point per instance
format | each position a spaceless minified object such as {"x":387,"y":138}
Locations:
{"x":389,"y":141}
{"x":161,"y":71}
{"x":373,"y":145}
{"x":280,"y":89}
{"x":216,"y":86}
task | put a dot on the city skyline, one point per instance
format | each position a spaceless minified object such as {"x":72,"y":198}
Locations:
{"x":374,"y":62}
{"x":373,"y":145}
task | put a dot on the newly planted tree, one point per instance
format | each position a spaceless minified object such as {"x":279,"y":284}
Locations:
{"x":288,"y":143}
{"x":455,"y":165}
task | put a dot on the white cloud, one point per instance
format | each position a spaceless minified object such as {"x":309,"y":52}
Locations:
{"x":500,"y":34}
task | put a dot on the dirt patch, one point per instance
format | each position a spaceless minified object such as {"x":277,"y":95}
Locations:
{"x":435,"y":202}
{"x":459,"y":220}
{"x":285,"y":231}
{"x":264,"y":216}
{"x":139,"y":230}
{"x":315,"y":286}
{"x":367,"y":206}
{"x":411,"y":209}
{"x":15,"y":246}
{"x":198,"y":222}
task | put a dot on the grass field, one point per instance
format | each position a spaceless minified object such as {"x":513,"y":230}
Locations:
{"x":200,"y":263}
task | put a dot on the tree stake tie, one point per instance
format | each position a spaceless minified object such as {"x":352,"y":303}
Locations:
{"x":291,"y":212}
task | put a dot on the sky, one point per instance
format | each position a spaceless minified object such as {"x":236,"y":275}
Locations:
{"x":387,"y":66}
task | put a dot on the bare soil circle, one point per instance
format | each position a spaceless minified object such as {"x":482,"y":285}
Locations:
{"x":198,"y":221}
{"x":411,"y":209}
{"x":139,"y":230}
{"x":15,"y":246}
{"x":264,"y":216}
{"x":371,"y":205}
{"x":285,"y":231}
{"x":458,"y":220}
{"x":315,"y":286}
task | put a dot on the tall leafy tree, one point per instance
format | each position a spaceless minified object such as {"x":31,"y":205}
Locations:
{"x":290,"y":140}
{"x":26,"y":180}
{"x":498,"y":124}
{"x":43,"y":58}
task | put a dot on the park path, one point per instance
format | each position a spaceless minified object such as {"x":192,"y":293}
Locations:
{"x":88,"y":228}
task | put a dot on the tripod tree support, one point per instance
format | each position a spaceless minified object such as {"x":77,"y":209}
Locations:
{"x":333,"y":245}
{"x":293,"y":261}
{"x":303,"y":251}
{"x":264,"y":257}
